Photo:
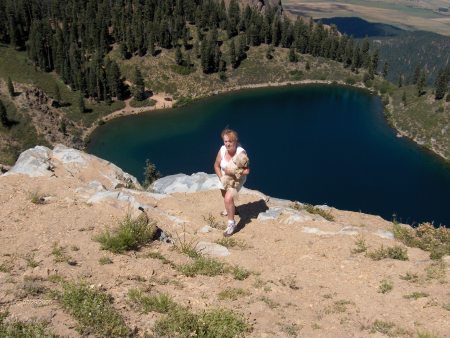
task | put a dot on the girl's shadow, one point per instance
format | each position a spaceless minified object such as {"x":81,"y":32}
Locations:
{"x":250,"y":211}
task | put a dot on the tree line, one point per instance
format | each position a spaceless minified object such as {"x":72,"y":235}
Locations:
{"x":74,"y":37}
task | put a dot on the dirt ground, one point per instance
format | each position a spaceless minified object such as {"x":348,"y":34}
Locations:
{"x":305,"y":278}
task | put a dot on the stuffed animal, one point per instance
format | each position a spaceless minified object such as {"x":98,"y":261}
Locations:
{"x":234,"y":179}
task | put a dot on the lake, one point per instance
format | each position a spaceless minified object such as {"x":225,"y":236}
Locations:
{"x":316,"y":144}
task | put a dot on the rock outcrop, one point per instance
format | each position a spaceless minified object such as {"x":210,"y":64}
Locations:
{"x":295,"y":271}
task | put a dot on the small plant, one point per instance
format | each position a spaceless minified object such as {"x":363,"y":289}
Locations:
{"x":290,"y":329}
{"x":385,"y":286}
{"x":339,"y":306}
{"x":425,"y":237}
{"x":231,"y":242}
{"x":233,"y":293}
{"x":361,"y":245}
{"x":161,"y":303}
{"x":382,"y":327}
{"x":240,"y":273}
{"x":105,"y":260}
{"x":185,"y":246}
{"x":213,"y":223}
{"x":410,"y":277}
{"x":23,"y":329}
{"x":93,"y":311}
{"x":290,"y":282}
{"x":157,"y":255}
{"x":437,"y":270}
{"x":203,"y":266}
{"x":270,"y":303}
{"x":8,"y":265}
{"x":181,"y":322}
{"x":31,"y":286}
{"x":426,"y":335}
{"x":37,"y":198}
{"x":416,"y":295}
{"x":151,"y":174}
{"x":59,"y":253}
{"x":74,"y":248}
{"x":131,"y":234}
{"x":259,"y":283}
{"x":394,"y":252}
{"x":314,"y":210}
{"x":446,"y":306}
{"x":31,"y":262}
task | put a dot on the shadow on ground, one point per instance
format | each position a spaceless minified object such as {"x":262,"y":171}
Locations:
{"x":250,"y":211}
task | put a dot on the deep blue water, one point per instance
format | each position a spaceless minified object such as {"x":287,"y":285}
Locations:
{"x":360,"y":28}
{"x":315,"y":144}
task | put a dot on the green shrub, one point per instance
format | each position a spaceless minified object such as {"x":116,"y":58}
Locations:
{"x":313,"y":210}
{"x":151,"y":174}
{"x":394,"y":252}
{"x":425,"y":237}
{"x":161,"y":303}
{"x":230,"y":242}
{"x":385,"y":286}
{"x":93,"y":311}
{"x":233,"y":293}
{"x":18,"y":329}
{"x":130,"y":235}
{"x":181,"y":322}
{"x":182,"y":101}
{"x":182,"y":70}
{"x":350,"y":81}
{"x":416,"y":295}
{"x":240,"y":273}
{"x":203,"y":266}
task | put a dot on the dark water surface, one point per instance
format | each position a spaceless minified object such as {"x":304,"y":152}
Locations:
{"x":360,"y":28}
{"x":315,"y":144}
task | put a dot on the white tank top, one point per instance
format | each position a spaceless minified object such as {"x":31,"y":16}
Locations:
{"x":223,"y":161}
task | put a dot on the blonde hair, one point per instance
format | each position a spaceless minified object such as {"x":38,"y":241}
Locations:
{"x":230,"y":132}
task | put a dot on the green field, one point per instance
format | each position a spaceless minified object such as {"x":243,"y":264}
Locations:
{"x":403,"y":14}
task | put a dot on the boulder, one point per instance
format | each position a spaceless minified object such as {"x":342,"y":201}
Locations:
{"x":33,"y":162}
{"x":185,"y":183}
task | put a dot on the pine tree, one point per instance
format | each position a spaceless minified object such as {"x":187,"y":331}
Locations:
{"x":178,"y":56}
{"x":269,"y":52}
{"x":11,"y":87}
{"x":139,"y":87}
{"x":385,"y":69}
{"x":233,"y":59}
{"x":416,"y":75}
{"x":400,"y":81}
{"x":404,"y":98}
{"x":420,"y":86}
{"x":81,"y":106}
{"x":292,"y":55}
{"x":307,"y":65}
{"x":3,"y":115}
{"x":441,"y":84}
{"x":57,"y":93}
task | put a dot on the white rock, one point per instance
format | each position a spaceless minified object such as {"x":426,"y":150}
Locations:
{"x":384,"y":234}
{"x":270,"y":214}
{"x":212,"y":249}
{"x":33,"y":162}
{"x":184,"y":183}
{"x":70,"y":156}
{"x":205,"y":229}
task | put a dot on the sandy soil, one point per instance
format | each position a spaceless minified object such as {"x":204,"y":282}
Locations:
{"x":305,"y":279}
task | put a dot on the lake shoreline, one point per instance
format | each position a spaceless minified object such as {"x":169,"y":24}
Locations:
{"x":163,"y":104}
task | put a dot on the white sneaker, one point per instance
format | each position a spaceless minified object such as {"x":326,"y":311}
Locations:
{"x":230,"y":229}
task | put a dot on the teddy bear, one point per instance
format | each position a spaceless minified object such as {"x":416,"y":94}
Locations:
{"x":233,"y":180}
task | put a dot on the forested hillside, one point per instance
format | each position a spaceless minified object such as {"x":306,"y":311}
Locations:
{"x":408,"y":50}
{"x":73,"y":37}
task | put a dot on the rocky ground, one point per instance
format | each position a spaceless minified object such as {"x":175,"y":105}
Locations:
{"x":308,"y":277}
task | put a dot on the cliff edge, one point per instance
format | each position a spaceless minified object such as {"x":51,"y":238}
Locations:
{"x":290,"y":270}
